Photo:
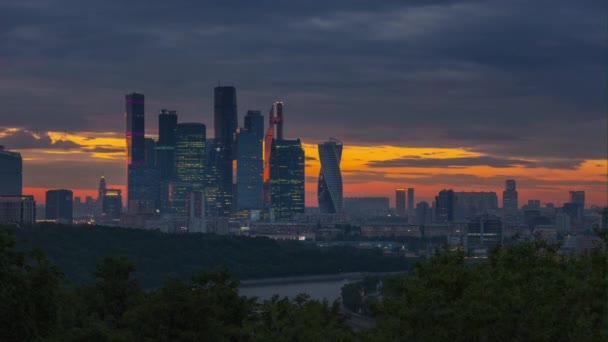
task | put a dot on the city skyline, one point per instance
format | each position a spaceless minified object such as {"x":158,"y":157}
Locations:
{"x":414,"y":108}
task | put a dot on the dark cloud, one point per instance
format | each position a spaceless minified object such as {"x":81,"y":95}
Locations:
{"x":506,"y":78}
{"x":464,"y":162}
{"x":24,"y":139}
{"x":310,"y":158}
{"x":105,"y":149}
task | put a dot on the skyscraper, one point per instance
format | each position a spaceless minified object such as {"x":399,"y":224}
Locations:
{"x":250,"y":163}
{"x":411,"y":205}
{"x":225,"y":124}
{"x":510,"y":201}
{"x":287,"y":178}
{"x":275,"y":131}
{"x":190,"y":152}
{"x":329,"y":187}
{"x":445,"y":206}
{"x":11,"y":179}
{"x":112,"y":205}
{"x":136,"y":147}
{"x":167,"y":123}
{"x":59,"y":205}
{"x":17,"y":209}
{"x":423,"y":213}
{"x":400,"y":201}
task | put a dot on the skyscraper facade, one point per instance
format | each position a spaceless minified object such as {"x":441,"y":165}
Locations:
{"x":329,"y":187}
{"x":136,"y":147}
{"x":112,"y":205}
{"x":59,"y":206}
{"x":445,"y":206}
{"x":11,"y":168}
{"x":510,"y":203}
{"x":400,"y":201}
{"x":423,"y":213}
{"x":190,"y":152}
{"x":287,"y":179}
{"x":17,"y":209}
{"x":578,"y":197}
{"x":411,"y":205}
{"x":225,"y":124}
{"x":165,"y":147}
{"x":275,"y":131}
{"x":250,"y":163}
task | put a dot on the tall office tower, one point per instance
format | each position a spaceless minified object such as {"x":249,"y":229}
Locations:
{"x":225,"y":124}
{"x":400,"y":201}
{"x":250,"y":163}
{"x":275,"y":131}
{"x":329,"y":187}
{"x":411,"y":205}
{"x":101,"y":190}
{"x":578,"y":197}
{"x":423,"y":213}
{"x":150,"y":153}
{"x":509,"y":198}
{"x":165,"y":147}
{"x":195,"y":212}
{"x":136,"y":148}
{"x":59,"y":206}
{"x":178,"y":193}
{"x":11,"y":168}
{"x":472,"y":203}
{"x":287,"y":179}
{"x":190,"y":152}
{"x":445,"y":206}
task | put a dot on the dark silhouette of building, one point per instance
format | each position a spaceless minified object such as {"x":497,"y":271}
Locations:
{"x":329,"y":187}
{"x":17,"y":209}
{"x":150,"y":153}
{"x":112,"y":205}
{"x":225,"y":124}
{"x":510,"y":204}
{"x":59,"y":206}
{"x":165,"y":146}
{"x":473,"y":203}
{"x":445,"y":206}
{"x":578,"y":197}
{"x":423,"y":213}
{"x":287,"y":179}
{"x":250,"y":163}
{"x":11,"y":168}
{"x":411,"y":206}
{"x":400,"y":201}
{"x":136,"y":149}
{"x":274,"y":132}
{"x":484,"y":231}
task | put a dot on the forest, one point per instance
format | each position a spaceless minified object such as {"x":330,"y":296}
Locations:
{"x":523,"y":292}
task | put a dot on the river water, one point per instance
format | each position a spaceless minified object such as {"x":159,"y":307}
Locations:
{"x":319,"y":290}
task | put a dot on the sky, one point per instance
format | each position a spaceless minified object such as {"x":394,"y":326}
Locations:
{"x":424,"y":94}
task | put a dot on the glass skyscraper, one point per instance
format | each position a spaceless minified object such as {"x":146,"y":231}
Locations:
{"x":287,"y":179}
{"x":190,"y":151}
{"x":136,"y":148}
{"x":59,"y":205}
{"x":225,"y":124}
{"x":329,"y":188}
{"x":167,"y":123}
{"x":250,"y":163}
{"x":11,"y":168}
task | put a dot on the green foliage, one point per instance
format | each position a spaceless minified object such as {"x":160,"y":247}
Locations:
{"x":354,"y":295}
{"x":157,"y":256}
{"x":524,"y":292}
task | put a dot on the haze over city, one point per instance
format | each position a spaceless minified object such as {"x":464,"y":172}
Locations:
{"x":420,"y":97}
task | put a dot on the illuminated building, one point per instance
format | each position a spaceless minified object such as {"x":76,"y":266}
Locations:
{"x":225,"y":124}
{"x":250,"y":163}
{"x":484,"y":231}
{"x":11,"y":168}
{"x":19,"y":210}
{"x":112,"y":205}
{"x":329,"y":187}
{"x":190,"y":152}
{"x":59,"y":206}
{"x":286,"y":179}
{"x":195,"y":212}
{"x":400,"y":202}
{"x":274,"y":132}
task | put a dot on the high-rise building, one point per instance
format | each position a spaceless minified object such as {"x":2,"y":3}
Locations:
{"x":11,"y":168}
{"x":59,"y":206}
{"x":150,"y":153}
{"x":17,"y":209}
{"x":167,"y":124}
{"x":101,"y":190}
{"x":195,"y":212}
{"x":578,"y":197}
{"x":225,"y":124}
{"x":329,"y":187}
{"x":275,"y":131}
{"x":190,"y":152}
{"x":411,"y":205}
{"x":445,"y":206}
{"x":472,"y":203}
{"x":250,"y":163}
{"x":510,"y":204}
{"x":178,"y":193}
{"x":400,"y":201}
{"x":136,"y":148}
{"x":484,"y":231}
{"x":287,"y":178}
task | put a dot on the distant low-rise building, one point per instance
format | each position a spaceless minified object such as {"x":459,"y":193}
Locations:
{"x":18,"y":210}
